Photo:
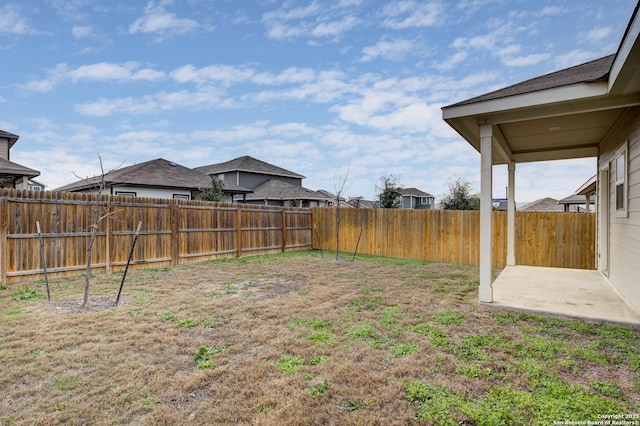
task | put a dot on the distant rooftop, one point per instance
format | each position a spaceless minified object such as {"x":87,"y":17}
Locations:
{"x":247,"y":164}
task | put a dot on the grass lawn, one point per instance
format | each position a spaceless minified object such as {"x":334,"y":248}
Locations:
{"x":298,"y":339}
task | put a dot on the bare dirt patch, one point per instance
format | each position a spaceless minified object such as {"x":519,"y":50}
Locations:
{"x":73,"y":305}
{"x":296,"y":339}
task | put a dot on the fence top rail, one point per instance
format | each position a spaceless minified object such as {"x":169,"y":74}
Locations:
{"x":82,"y":198}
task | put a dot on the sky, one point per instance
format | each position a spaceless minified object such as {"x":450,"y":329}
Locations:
{"x":344,"y":92}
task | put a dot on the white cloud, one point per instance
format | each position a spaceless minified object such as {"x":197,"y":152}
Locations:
{"x":314,"y":20}
{"x":70,"y":9}
{"x":452,"y":61}
{"x":287,"y":151}
{"x":391,"y":50}
{"x":151,"y":104}
{"x":350,"y":3}
{"x":156,"y":20}
{"x":148,"y":74}
{"x":287,"y":76}
{"x":334,"y":28}
{"x":573,"y":57}
{"x":597,"y":34}
{"x":233,"y":134}
{"x":326,"y":87}
{"x":55,"y":76}
{"x":486,"y":41}
{"x":99,"y":72}
{"x":408,"y":13}
{"x":278,"y":25}
{"x":13,"y":22}
{"x":411,"y":118}
{"x":292,"y":129}
{"x":525,"y":61}
{"x":81,"y":31}
{"x":103,"y":71}
{"x":225,"y":74}
{"x":470,"y":6}
{"x":550,"y":11}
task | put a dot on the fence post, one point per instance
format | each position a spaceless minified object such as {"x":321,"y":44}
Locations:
{"x":107,"y":238}
{"x":4,"y":223}
{"x":238,"y":232}
{"x":284,"y":231}
{"x":175,"y":233}
{"x":311,"y":226}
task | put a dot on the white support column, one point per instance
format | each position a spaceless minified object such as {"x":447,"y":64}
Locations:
{"x":511,"y":215}
{"x":588,"y":209}
{"x":486,"y":213}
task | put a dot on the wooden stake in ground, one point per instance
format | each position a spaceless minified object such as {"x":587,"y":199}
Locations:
{"x":44,"y":262}
{"x":126,"y":268}
{"x":318,"y":239}
{"x":99,"y":212}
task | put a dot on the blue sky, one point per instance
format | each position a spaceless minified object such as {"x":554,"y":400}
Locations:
{"x":322,"y":88}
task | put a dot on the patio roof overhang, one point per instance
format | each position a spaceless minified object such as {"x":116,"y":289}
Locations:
{"x":543,"y":131}
{"x":561,"y":115}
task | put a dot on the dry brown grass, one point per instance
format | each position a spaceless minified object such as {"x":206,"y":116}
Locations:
{"x":135,"y":364}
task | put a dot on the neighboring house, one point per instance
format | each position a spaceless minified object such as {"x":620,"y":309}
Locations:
{"x":499,"y":204}
{"x":271,"y":185}
{"x":588,"y":190}
{"x":275,"y":192}
{"x":547,"y":204}
{"x":589,"y":110}
{"x":332,"y":197}
{"x":361,"y":203}
{"x":157,"y":178}
{"x":34,"y":185}
{"x":577,"y":203}
{"x":12,"y":175}
{"x":413,"y":198}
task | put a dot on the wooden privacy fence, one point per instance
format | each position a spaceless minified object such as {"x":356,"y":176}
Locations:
{"x":565,"y":240}
{"x":173,"y":231}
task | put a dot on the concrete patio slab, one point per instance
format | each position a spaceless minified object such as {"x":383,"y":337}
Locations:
{"x":559,"y":292}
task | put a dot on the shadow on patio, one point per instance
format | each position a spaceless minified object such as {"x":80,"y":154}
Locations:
{"x":567,"y":293}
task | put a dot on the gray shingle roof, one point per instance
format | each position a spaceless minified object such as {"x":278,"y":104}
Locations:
{"x":415,"y":192}
{"x":576,"y":199}
{"x":247,"y":164}
{"x":543,"y":205}
{"x":159,"y":173}
{"x":591,"y":71}
{"x":9,"y":168}
{"x":12,"y":138}
{"x":275,"y":189}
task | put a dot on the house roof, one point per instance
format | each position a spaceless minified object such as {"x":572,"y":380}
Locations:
{"x":359,"y":202}
{"x":275,"y":189}
{"x":547,"y":204}
{"x":329,"y":195}
{"x":414,"y":192}
{"x":591,"y":71}
{"x":561,"y":115}
{"x":247,"y":164}
{"x":11,"y":169}
{"x":158,"y":173}
{"x":12,"y":138}
{"x":576,"y":199}
{"x":36,"y":182}
{"x":587,"y":188}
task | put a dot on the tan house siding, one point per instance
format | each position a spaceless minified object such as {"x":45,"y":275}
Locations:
{"x":624,"y":240}
{"x":4,"y":148}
